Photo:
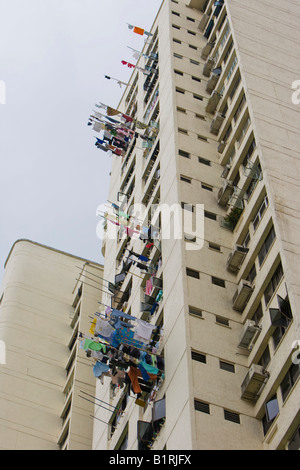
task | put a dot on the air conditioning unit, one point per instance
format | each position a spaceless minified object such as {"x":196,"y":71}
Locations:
{"x":198,"y":4}
{"x":242,"y":295}
{"x":213,"y":102}
{"x":225,"y":193}
{"x":236,"y":257}
{"x":217,"y":123}
{"x":221,"y":146}
{"x":203,"y":22}
{"x":226,"y":171}
{"x":207,"y":68}
{"x":207,"y":50}
{"x":248,"y":333}
{"x":254,"y":381}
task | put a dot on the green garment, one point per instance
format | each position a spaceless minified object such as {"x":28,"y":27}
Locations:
{"x":90,"y":344}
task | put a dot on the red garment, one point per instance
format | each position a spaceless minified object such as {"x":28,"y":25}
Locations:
{"x":133,"y":374}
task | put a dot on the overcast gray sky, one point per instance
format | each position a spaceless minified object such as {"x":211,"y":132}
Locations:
{"x":53,"y":58}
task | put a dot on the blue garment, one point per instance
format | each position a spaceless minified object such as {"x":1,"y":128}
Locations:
{"x":99,"y":368}
{"x":119,"y":313}
{"x":149,"y":368}
{"x":154,"y":307}
{"x":143,"y":372}
{"x":143,"y":258}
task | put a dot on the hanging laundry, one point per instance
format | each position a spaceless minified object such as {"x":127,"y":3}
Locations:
{"x":138,"y":30}
{"x":149,"y":286}
{"x":99,"y":368}
{"x":143,"y":331}
{"x":149,"y":368}
{"x":103,"y":328}
{"x":144,"y":373}
{"x":154,"y":307}
{"x":126,"y":336}
{"x":131,"y":66}
{"x":119,"y":313}
{"x":91,"y":344}
{"x":159,"y":296}
{"x":92,"y":328}
{"x":119,"y":82}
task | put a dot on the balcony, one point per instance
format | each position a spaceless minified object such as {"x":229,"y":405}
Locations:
{"x":213,"y":102}
{"x":254,"y":382}
{"x":197,"y":4}
{"x":236,"y":258}
{"x":242,"y":295}
{"x":212,"y":82}
{"x":207,"y":50}
{"x":217,"y":123}
{"x":207,"y":68}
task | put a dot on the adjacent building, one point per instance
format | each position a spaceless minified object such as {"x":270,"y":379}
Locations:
{"x":48,"y":297}
{"x":216,"y":135}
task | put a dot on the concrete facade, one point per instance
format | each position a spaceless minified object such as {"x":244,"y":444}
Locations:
{"x":43,"y":307}
{"x":228,"y":140}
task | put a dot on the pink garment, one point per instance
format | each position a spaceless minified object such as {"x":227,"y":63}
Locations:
{"x":149,"y":286}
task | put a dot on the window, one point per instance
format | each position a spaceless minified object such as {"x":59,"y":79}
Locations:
{"x":182,"y":131}
{"x":239,"y":109}
{"x":246,"y":240}
{"x":192,"y":273}
{"x":227,"y":366}
{"x":200,"y":116}
{"x":201,"y":406}
{"x":181,"y":110}
{"x":175,"y":26}
{"x":258,"y":314}
{"x":231,"y":416}
{"x":266,"y":246}
{"x":272,"y":286}
{"x":222,"y":321}
{"x":189,"y":238}
{"x":192,"y":33}
{"x":206,"y":187}
{"x":178,"y":72}
{"x":180,"y":90}
{"x":204,"y":161}
{"x":187,"y":207}
{"x":201,"y":137}
{"x":192,"y":61}
{"x":252,"y":274}
{"x":260,"y":213}
{"x":265,"y":357}
{"x":217,"y":281}
{"x":210,"y":215}
{"x":190,"y":19}
{"x":195,"y":311}
{"x":175,"y":13}
{"x":184,"y":154}
{"x":178,"y":56}
{"x":272,"y":410}
{"x":214,"y":246}
{"x":177,"y":40}
{"x":185,"y":179}
{"x":196,"y":79}
{"x":198,"y":97}
{"x":196,"y":356}
{"x":294,"y":443}
{"x":193,"y":47}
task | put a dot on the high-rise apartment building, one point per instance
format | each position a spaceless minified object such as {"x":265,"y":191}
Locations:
{"x":46,"y":379}
{"x":215,"y":133}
